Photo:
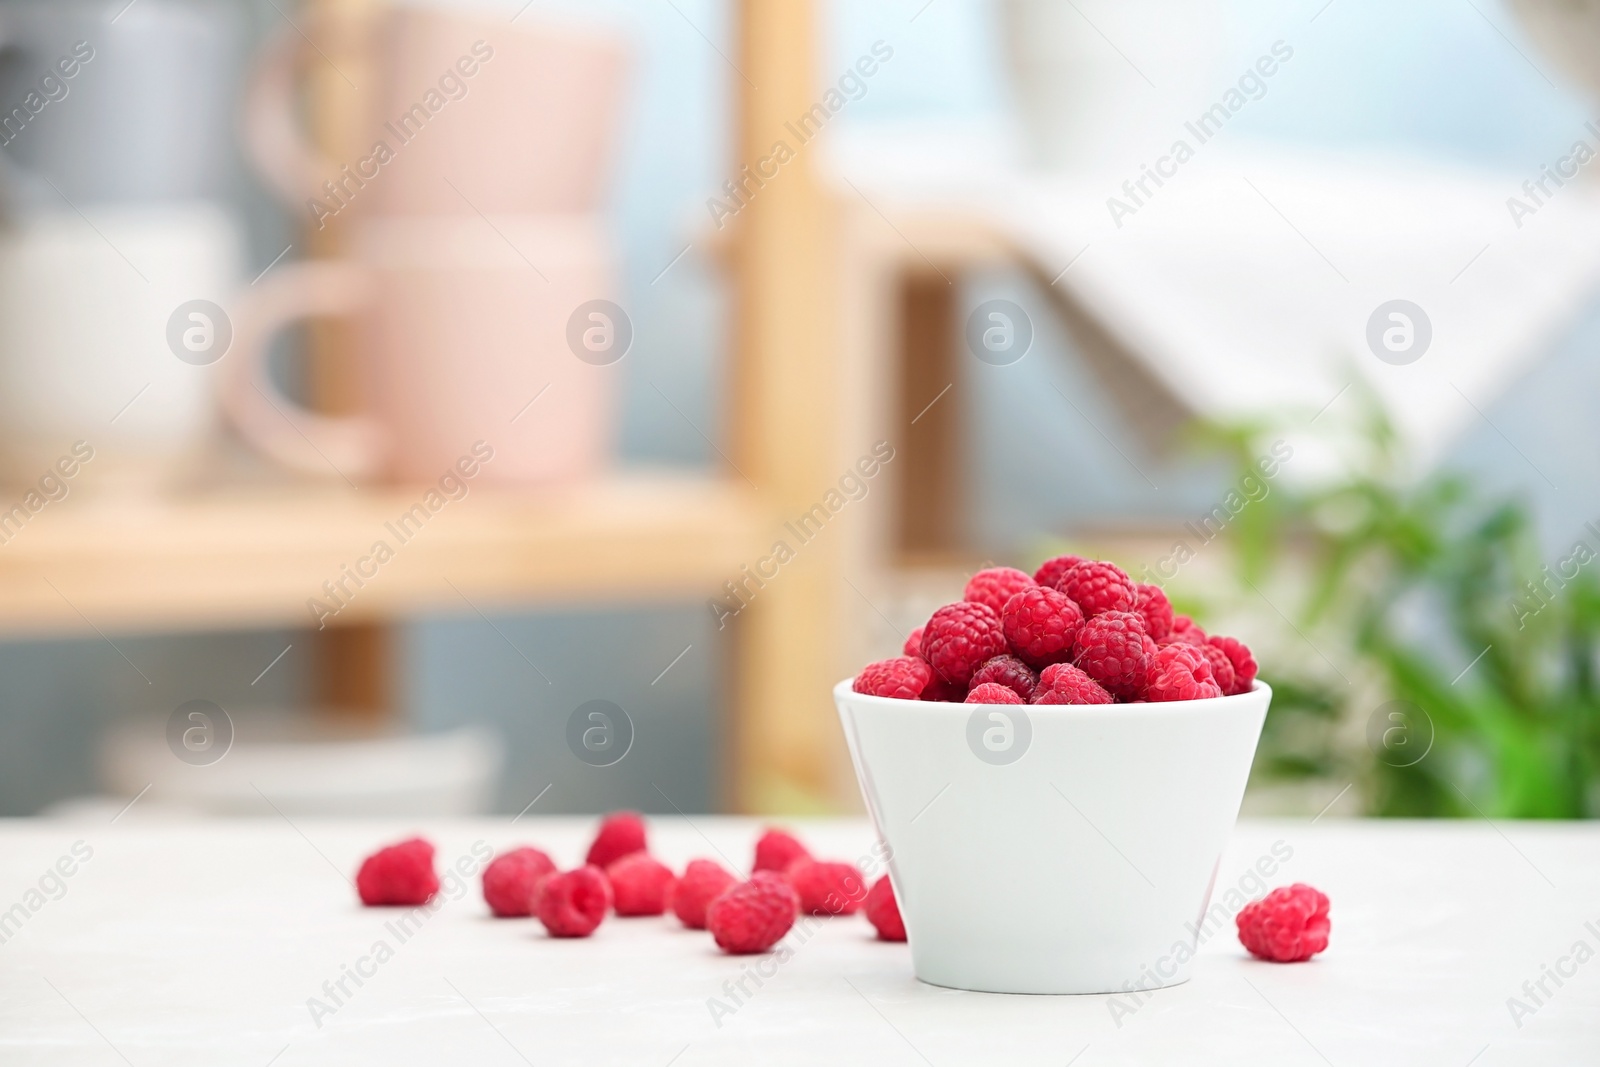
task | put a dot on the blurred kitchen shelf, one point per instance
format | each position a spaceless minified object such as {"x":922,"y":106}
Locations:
{"x":254,"y":558}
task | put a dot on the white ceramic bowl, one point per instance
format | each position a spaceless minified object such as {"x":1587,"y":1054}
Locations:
{"x":1053,"y":848}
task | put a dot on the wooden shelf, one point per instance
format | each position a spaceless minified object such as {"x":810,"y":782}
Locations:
{"x":254,"y":558}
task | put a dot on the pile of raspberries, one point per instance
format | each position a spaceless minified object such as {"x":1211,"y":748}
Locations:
{"x":1080,"y":631}
{"x":619,"y":876}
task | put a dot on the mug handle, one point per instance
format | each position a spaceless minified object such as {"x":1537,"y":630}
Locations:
{"x":283,"y":430}
{"x":273,"y":138}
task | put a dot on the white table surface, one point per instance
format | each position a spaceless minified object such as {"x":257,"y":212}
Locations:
{"x":201,"y":944}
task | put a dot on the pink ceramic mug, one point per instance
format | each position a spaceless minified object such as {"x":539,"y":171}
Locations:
{"x":471,"y":114}
{"x":464,"y":331}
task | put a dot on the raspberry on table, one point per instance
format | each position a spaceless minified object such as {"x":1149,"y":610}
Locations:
{"x":511,"y":880}
{"x":753,"y":916}
{"x":1288,"y":925}
{"x":574,"y":903}
{"x":913,"y":645}
{"x":946,"y":692}
{"x":828,"y":888}
{"x":959,"y":638}
{"x":1221,"y":666}
{"x":640,"y":885}
{"x":995,"y":586}
{"x":883,"y":911}
{"x":398,"y":875}
{"x":1041,"y":624}
{"x":1097,"y":586}
{"x":1180,"y":672}
{"x":993,"y":693}
{"x":1010,"y":672}
{"x":1111,"y":649}
{"x":1050,"y":571}
{"x":1151,"y":602}
{"x":620,"y":833}
{"x":1244,"y":664}
{"x":777,"y":849}
{"x":1062,"y":683}
{"x":1185,"y":630}
{"x":903,"y":678}
{"x":703,"y":881}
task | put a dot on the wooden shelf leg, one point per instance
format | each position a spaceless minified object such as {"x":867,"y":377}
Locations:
{"x":353,"y":671}
{"x":786,"y":744}
{"x":353,"y":663}
{"x":928,"y":511}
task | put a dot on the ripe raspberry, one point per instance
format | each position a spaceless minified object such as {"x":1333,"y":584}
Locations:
{"x":913,"y":645}
{"x":1111,"y":649}
{"x":1050,"y":571}
{"x":883,"y":911}
{"x":1184,"y":630}
{"x":1288,"y":925}
{"x":754,"y":915}
{"x":1244,"y":664}
{"x":1062,"y":683}
{"x":1180,"y":672}
{"x":1097,"y":586}
{"x":1150,"y":602}
{"x":959,"y":638}
{"x":995,"y":586}
{"x":1010,"y":672}
{"x":398,"y":875}
{"x":640,"y":884}
{"x":1041,"y":625}
{"x":573,"y":903}
{"x":826,"y":888}
{"x":947,"y":692}
{"x":511,"y":880}
{"x":1221,"y":666}
{"x":776,"y":850}
{"x":703,"y":881}
{"x":993,"y":693}
{"x":903,"y":678}
{"x":620,"y":833}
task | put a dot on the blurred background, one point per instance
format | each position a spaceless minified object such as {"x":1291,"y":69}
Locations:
{"x":435,"y":407}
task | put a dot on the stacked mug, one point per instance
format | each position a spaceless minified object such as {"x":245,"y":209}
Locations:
{"x":476,"y":274}
{"x":115,"y":129}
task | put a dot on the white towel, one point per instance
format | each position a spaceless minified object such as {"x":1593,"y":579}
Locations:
{"x":1245,"y":282}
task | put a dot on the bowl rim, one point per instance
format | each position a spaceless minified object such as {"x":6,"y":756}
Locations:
{"x":842,"y":691}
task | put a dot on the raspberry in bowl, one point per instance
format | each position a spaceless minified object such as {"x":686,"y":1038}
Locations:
{"x":1061,"y":842}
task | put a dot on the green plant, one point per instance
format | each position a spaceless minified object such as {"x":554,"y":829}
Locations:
{"x":1447,"y":605}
